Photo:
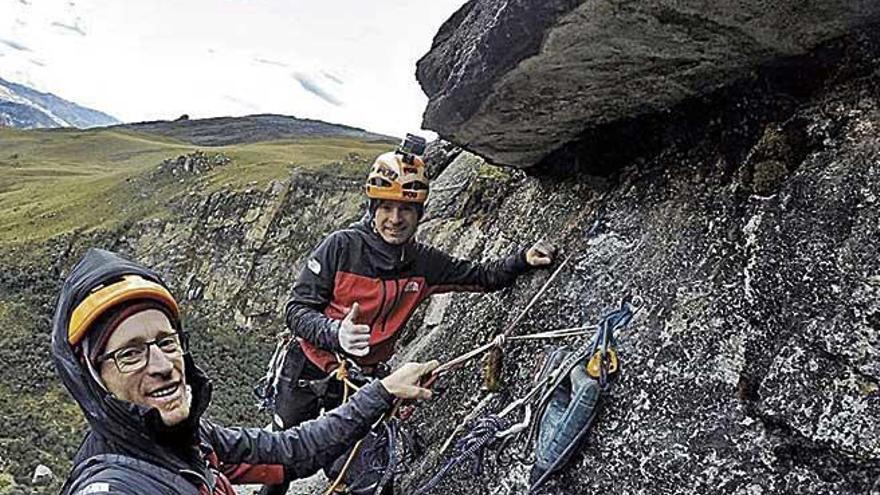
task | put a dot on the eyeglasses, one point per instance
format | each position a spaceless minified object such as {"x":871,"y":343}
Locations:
{"x":134,"y":358}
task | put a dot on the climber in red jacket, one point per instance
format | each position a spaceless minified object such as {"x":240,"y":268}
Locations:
{"x":361,"y":285}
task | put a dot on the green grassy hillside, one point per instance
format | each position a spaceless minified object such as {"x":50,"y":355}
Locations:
{"x":58,"y":181}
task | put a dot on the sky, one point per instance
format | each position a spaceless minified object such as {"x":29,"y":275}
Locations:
{"x":342,"y":61}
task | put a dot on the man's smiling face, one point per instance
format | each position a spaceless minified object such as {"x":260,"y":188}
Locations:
{"x":161,"y":383}
{"x":396,"y":221}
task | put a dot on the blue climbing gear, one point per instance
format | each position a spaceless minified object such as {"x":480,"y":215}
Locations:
{"x":571,"y":403}
{"x":569,"y":386}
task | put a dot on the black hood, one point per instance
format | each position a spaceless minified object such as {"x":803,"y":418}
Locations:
{"x":130,"y":429}
{"x":389,"y":258}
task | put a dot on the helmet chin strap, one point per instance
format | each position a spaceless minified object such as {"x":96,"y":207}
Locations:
{"x":92,"y":371}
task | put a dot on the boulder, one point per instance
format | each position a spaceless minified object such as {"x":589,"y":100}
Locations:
{"x":42,"y":475}
{"x":513,"y":80}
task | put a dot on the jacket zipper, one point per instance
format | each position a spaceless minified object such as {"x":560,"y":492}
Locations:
{"x":398,"y":296}
{"x":384,"y":313}
{"x":387,"y":311}
{"x":381,"y":307}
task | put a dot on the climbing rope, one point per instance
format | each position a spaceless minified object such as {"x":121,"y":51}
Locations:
{"x":471,"y":447}
{"x":554,"y":334}
{"x":343,"y":373}
{"x":486,"y":430}
{"x":499,"y":340}
{"x":345,"y":467}
{"x":391,"y":429}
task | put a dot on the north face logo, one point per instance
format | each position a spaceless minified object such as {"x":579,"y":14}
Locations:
{"x":411,"y":286}
{"x":314,"y":266}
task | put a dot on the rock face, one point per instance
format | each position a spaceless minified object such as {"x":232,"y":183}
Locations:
{"x":755,"y":366}
{"x":194,"y":163}
{"x":514,"y":80}
{"x":42,"y":475}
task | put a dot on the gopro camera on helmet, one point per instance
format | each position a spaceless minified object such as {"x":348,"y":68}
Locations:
{"x":412,"y":145}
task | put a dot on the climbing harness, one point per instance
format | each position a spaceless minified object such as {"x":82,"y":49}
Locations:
{"x":374,"y":458}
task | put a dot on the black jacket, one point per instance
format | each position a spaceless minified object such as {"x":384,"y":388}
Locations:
{"x":129,"y":450}
{"x":387,"y":281}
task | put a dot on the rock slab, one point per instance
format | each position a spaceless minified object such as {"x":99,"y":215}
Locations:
{"x":513,"y":80}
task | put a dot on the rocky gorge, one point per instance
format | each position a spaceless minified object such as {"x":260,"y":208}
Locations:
{"x":744,"y":212}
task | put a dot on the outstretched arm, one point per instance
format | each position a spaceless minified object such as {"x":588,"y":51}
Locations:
{"x":311,"y":294}
{"x":448,"y":274}
{"x":253,"y":455}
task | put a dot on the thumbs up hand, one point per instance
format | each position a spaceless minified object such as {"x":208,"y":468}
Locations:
{"x":353,"y":338}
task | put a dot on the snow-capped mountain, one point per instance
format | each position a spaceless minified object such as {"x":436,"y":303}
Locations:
{"x":23,"y":107}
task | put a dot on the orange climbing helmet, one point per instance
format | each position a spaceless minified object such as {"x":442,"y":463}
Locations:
{"x":400,"y":175}
{"x":102,"y":298}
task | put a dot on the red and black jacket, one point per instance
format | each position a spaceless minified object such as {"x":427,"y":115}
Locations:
{"x":387,"y":281}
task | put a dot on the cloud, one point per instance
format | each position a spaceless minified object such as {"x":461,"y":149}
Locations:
{"x":312,"y":87}
{"x":76,"y":29}
{"x":332,"y":77}
{"x":37,"y":63}
{"x":270,"y":62}
{"x":25,"y":80}
{"x":24,"y":2}
{"x":14,"y":45}
{"x":242,"y":103}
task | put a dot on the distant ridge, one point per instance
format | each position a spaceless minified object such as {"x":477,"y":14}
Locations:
{"x":220,"y":131}
{"x":26,"y":108}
